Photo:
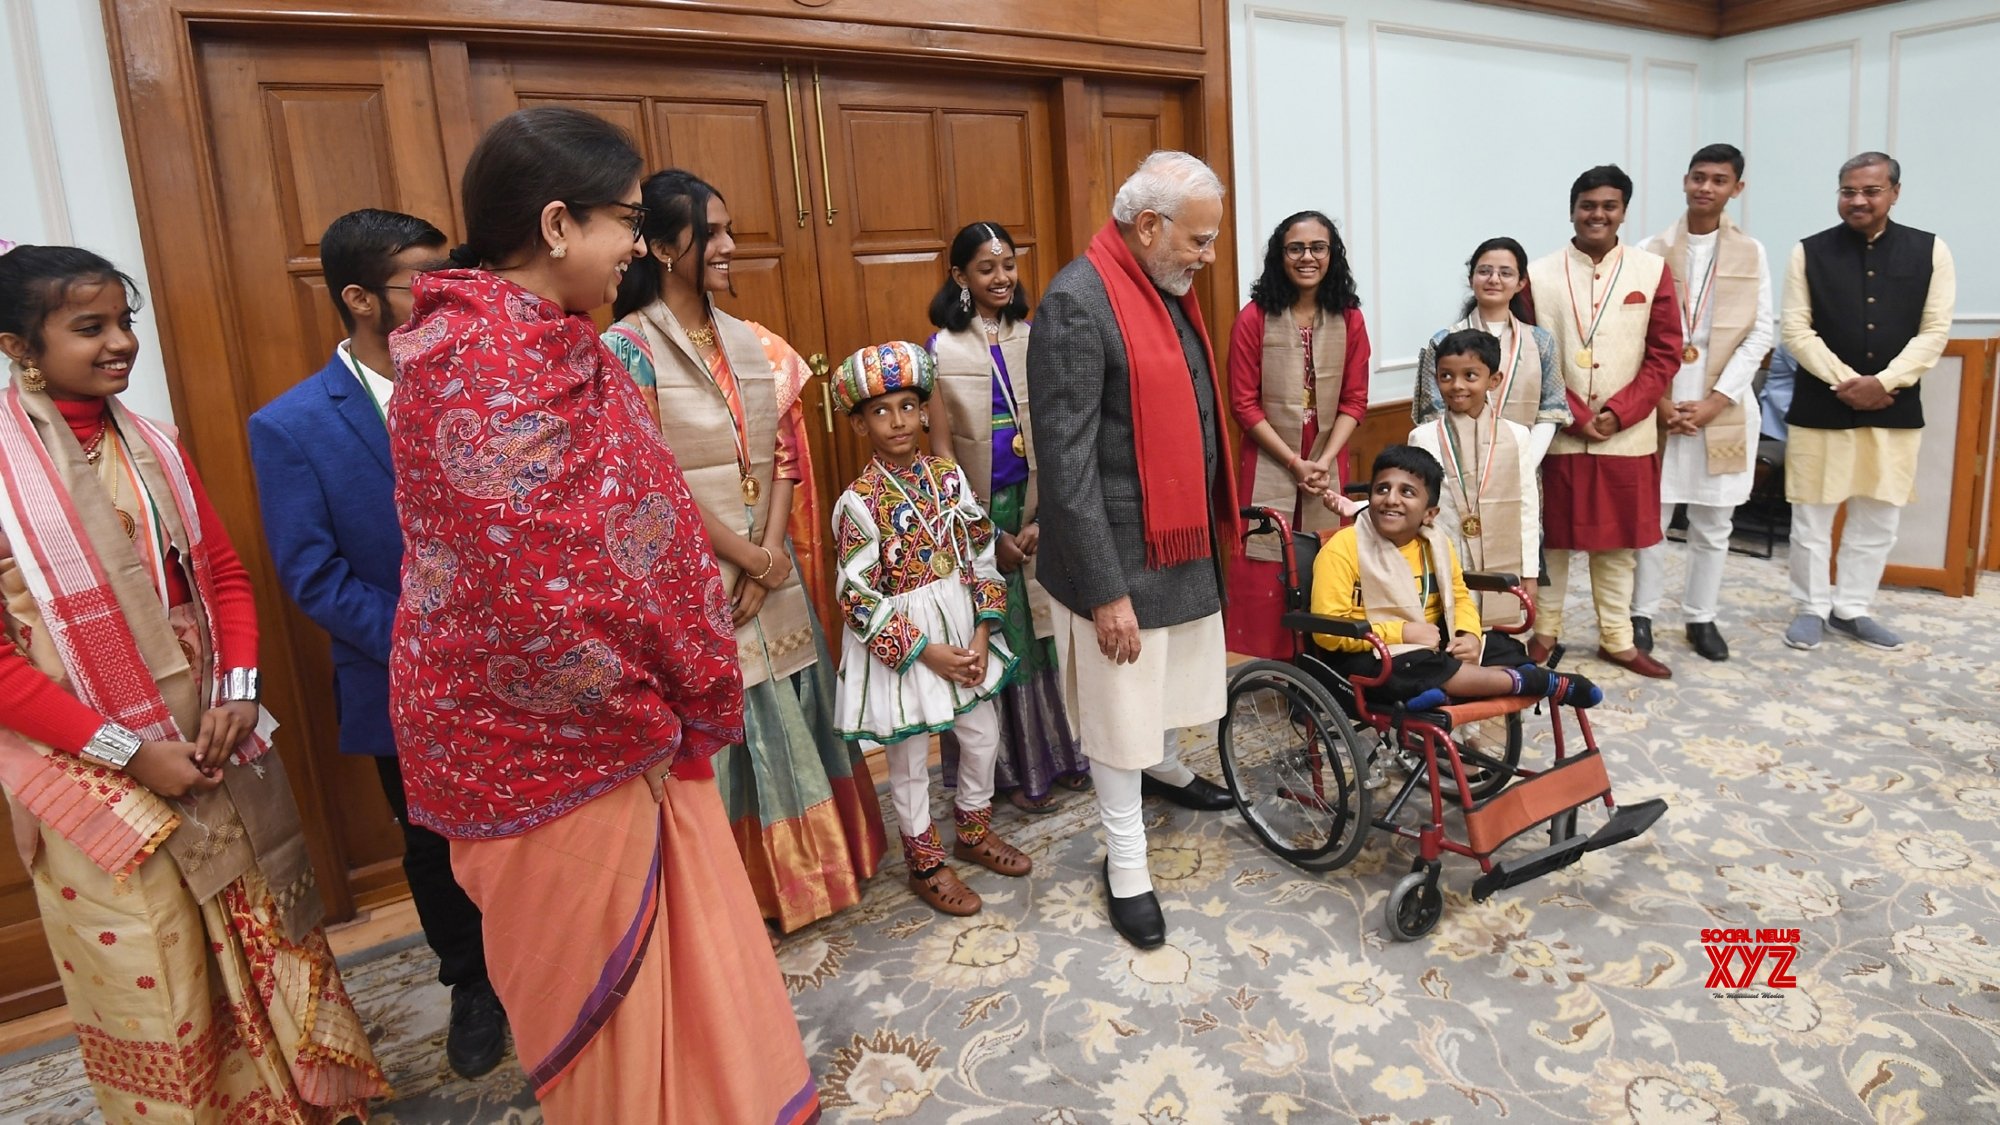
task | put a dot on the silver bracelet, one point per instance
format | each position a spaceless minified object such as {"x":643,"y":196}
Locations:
{"x":239,"y":685}
{"x":112,"y":746}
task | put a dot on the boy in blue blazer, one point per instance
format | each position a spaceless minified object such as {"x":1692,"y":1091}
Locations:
{"x":321,"y":452}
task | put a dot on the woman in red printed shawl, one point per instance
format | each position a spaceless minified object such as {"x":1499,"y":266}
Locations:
{"x":160,"y":831}
{"x":563,"y":667}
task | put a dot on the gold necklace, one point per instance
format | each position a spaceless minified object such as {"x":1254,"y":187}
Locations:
{"x":702,"y":337}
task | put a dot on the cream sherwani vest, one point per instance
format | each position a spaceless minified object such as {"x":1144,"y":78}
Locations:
{"x":1282,"y":378}
{"x":965,"y":378}
{"x":1734,"y":306}
{"x":698,"y":425}
{"x":1563,"y":284}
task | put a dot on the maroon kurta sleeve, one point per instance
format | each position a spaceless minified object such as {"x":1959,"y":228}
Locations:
{"x":1246,"y":367}
{"x":1354,"y":371}
{"x":1662,"y":360}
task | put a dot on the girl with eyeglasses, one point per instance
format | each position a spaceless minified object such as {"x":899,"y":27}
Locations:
{"x":1531,"y":390}
{"x":1298,"y":386}
{"x":725,"y":393}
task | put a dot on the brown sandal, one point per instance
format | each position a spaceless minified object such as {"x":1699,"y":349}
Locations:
{"x":943,"y":891}
{"x":994,"y":854}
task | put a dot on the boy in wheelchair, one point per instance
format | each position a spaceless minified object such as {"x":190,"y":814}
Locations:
{"x":1394,"y":569}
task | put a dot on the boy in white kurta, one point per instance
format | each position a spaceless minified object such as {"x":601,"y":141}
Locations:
{"x":1710,"y":415}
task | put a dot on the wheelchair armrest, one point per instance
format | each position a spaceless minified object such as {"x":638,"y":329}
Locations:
{"x":1301,"y":622}
{"x":1491,"y":581}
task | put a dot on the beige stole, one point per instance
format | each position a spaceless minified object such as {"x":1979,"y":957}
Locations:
{"x":700,"y":428}
{"x":1619,"y":347}
{"x":965,"y":377}
{"x":1282,"y":378}
{"x":1520,"y":396}
{"x":1734,"y":313}
{"x":1494,"y":457}
{"x":1389,"y":591}
{"x":251,"y":822}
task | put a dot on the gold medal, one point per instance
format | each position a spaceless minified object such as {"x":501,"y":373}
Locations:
{"x":751,"y":491}
{"x":1584,"y":358}
{"x":128,"y":524}
{"x":941,"y":565}
{"x":1470,"y":525}
{"x":1020,"y":445}
{"x":1690,"y":353}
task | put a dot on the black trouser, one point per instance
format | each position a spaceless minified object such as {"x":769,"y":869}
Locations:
{"x":450,"y":920}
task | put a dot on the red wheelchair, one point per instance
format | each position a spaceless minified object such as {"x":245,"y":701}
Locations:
{"x":1300,"y":743}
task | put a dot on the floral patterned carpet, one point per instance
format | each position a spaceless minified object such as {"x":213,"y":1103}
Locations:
{"x":1849,"y":794}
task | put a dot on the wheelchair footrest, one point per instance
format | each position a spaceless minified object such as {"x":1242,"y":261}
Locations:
{"x":1571,"y":783}
{"x":1625,"y":823}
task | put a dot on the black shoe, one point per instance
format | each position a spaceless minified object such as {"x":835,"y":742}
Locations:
{"x":1642,"y":634}
{"x":1707,"y":641}
{"x":1137,"y":919}
{"x":477,"y":1040}
{"x":1201,"y":794}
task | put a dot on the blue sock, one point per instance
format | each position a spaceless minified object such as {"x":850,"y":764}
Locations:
{"x":1427,"y":700}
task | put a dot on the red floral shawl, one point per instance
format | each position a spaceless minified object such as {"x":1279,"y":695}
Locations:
{"x":562,"y":624}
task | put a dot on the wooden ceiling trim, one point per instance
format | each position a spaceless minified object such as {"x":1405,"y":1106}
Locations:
{"x":1710,"y":19}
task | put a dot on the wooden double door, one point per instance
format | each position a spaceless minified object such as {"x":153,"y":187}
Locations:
{"x":845,"y":183}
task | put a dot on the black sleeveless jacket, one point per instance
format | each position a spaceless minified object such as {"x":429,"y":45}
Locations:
{"x":1867,"y":305}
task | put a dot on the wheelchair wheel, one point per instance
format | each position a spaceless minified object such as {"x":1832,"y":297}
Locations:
{"x":1294,"y":765}
{"x":1487,"y":771}
{"x":1415,"y":905}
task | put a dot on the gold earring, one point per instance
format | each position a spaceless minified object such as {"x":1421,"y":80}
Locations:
{"x":32,"y":380}
{"x":559,"y":252}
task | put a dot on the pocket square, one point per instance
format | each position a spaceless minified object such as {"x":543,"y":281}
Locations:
{"x":1635,"y":298}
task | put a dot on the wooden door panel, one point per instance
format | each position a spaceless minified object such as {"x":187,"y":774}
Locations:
{"x":909,"y":159}
{"x":28,"y":980}
{"x":301,"y":134}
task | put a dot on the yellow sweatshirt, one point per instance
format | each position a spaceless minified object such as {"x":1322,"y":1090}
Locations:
{"x":1336,"y":592}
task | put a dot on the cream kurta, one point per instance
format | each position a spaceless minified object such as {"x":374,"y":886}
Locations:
{"x":1684,"y":467}
{"x":1829,"y":466}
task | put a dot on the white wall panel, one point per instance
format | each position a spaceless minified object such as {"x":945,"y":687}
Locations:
{"x":1948,"y":176}
{"x":1670,"y":130}
{"x":1298,"y":121}
{"x":1799,"y":107}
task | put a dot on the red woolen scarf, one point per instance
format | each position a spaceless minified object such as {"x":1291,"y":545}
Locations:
{"x":1166,"y":425}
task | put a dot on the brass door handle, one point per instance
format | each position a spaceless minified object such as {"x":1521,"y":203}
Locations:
{"x":792,"y":135}
{"x":816,"y":363}
{"x":825,"y":169}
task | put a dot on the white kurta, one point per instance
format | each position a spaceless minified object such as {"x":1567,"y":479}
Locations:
{"x":1684,"y":475}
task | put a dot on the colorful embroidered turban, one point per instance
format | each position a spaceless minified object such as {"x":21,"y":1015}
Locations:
{"x":881,"y":369}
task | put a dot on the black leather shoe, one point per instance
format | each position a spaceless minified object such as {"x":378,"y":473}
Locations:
{"x":1642,"y":634}
{"x":1201,"y":794}
{"x":1707,"y":641}
{"x":477,"y":1040}
{"x":1137,"y":919}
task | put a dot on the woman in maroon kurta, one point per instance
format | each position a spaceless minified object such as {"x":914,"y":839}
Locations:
{"x":1307,"y":290}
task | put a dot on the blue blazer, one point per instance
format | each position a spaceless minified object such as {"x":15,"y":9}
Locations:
{"x":325,"y":485}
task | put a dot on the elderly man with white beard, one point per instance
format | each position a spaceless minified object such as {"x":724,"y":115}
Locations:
{"x":1137,"y":507}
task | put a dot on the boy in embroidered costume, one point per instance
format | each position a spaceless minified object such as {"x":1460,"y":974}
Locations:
{"x":1395,"y":569}
{"x":923,"y":596}
{"x":1491,"y":507}
{"x":1709,"y":414}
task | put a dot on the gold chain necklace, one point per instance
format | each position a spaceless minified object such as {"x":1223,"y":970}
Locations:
{"x":702,"y":337}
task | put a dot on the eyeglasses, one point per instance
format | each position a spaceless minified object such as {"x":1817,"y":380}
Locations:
{"x":1872,"y":192}
{"x":1201,"y":242}
{"x":634,"y":217}
{"x":1504,"y":273}
{"x":1298,"y":250}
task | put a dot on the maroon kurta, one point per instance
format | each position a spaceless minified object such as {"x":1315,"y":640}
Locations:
{"x":1595,"y":503}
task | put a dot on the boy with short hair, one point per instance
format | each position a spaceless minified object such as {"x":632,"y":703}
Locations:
{"x":1491,"y":506}
{"x":1395,"y":569}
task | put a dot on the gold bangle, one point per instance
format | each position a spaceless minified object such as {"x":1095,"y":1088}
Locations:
{"x":770,"y":561}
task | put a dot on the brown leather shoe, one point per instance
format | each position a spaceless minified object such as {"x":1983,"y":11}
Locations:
{"x":1639,"y":662}
{"x":994,"y":854}
{"x":945,"y":893}
{"x":1539,"y":648}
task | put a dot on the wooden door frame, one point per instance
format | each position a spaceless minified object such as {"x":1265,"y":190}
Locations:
{"x":152,"y":44}
{"x":1959,"y":576}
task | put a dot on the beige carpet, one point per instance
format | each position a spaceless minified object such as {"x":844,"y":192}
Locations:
{"x":1851,"y":794}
